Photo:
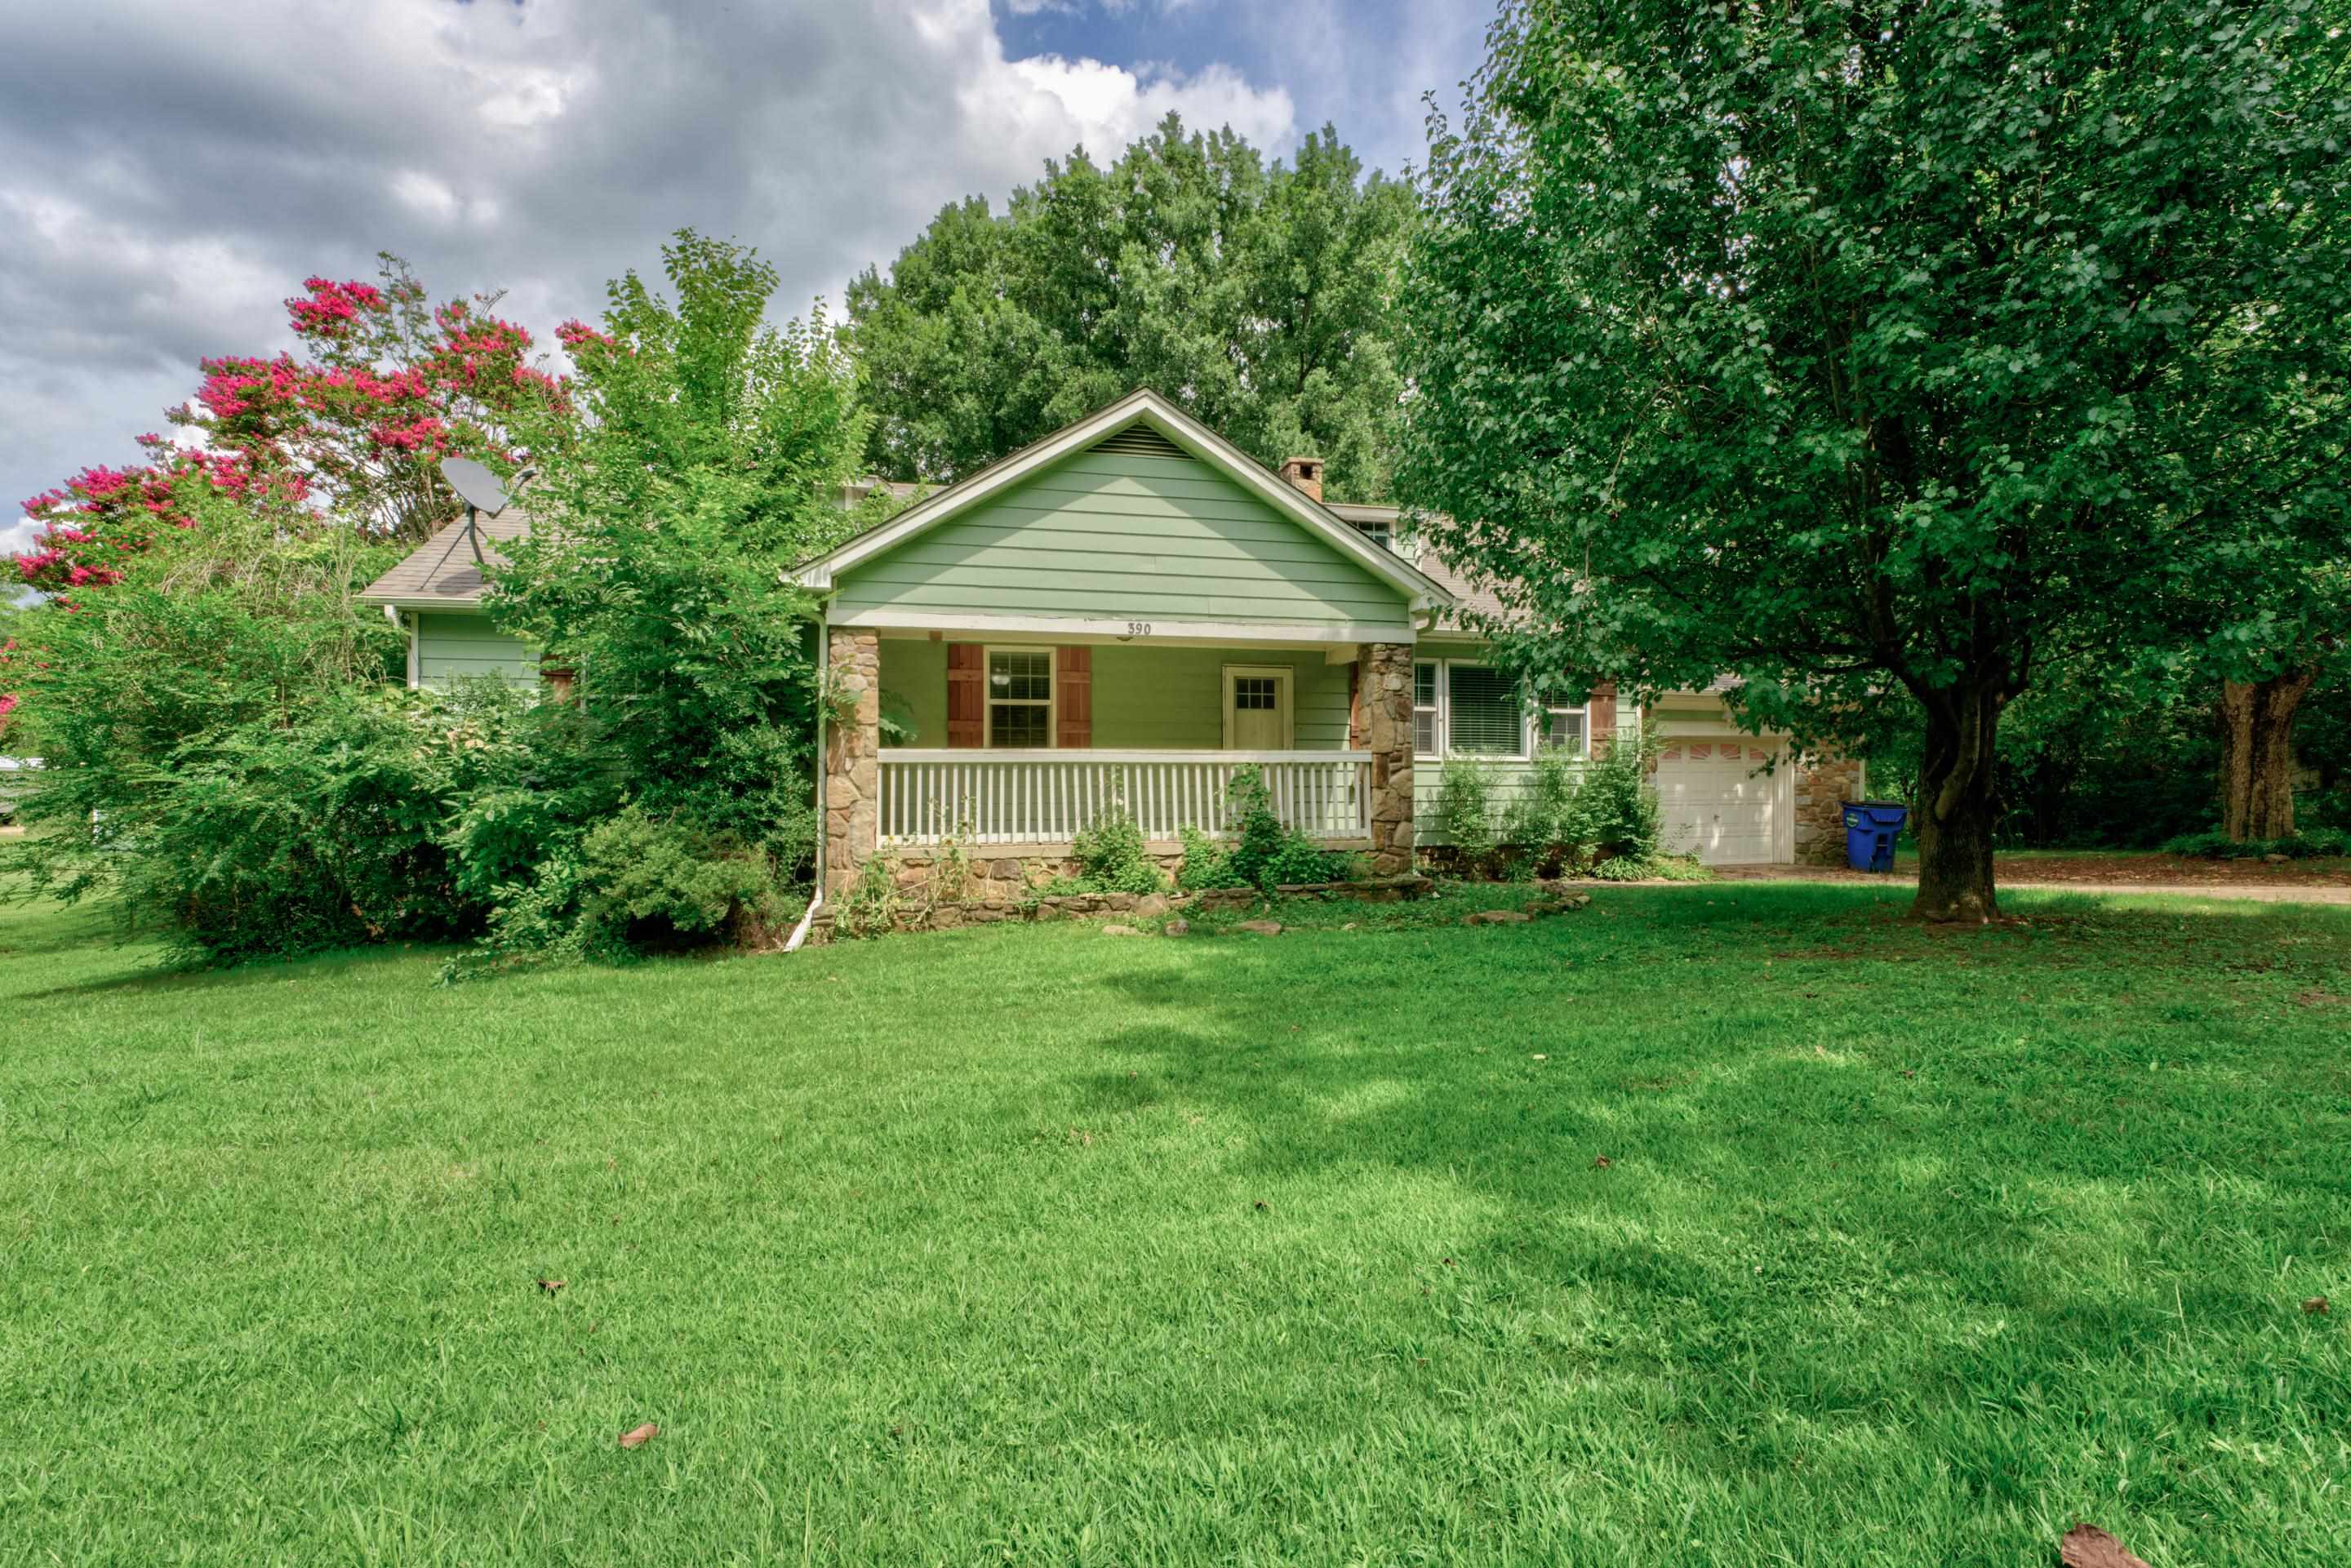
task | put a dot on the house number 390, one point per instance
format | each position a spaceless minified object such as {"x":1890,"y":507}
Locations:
{"x":1138,"y":628}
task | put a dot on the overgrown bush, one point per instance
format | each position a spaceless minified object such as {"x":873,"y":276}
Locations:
{"x":1621,"y":817}
{"x":1464,"y":817}
{"x":1573,"y":815}
{"x":703,"y":462}
{"x":266,"y":839}
{"x":1264,"y":854}
{"x":2304,"y":845}
{"x":1206,"y":863}
{"x":869,"y":906}
{"x":1111,"y":858}
{"x":1547,"y":823}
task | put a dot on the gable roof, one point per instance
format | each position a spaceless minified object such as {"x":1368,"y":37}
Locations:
{"x":441,"y":573}
{"x":1141,"y":409}
{"x":1473,"y":598}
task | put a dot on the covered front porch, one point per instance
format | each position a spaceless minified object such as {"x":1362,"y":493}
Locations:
{"x":1011,"y":744}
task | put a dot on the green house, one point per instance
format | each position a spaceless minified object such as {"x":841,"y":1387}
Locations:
{"x":1129,"y":611}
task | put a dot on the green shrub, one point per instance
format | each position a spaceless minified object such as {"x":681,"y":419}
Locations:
{"x":1207,"y":864}
{"x":1619,"y":814}
{"x":1264,"y":854}
{"x":1299,"y":860}
{"x":1464,"y":817}
{"x":1547,"y":823}
{"x":269,"y":839}
{"x":2303,"y":845}
{"x":1111,"y":858}
{"x":1258,"y":833}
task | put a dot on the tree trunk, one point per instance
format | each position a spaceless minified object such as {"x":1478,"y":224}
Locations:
{"x":2257,"y":755}
{"x":1956,"y":810}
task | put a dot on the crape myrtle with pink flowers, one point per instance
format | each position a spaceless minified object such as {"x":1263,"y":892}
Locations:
{"x":385,"y":384}
{"x":228,"y":750}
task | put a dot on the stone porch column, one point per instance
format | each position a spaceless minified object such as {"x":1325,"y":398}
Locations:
{"x":1385,"y":684}
{"x":851,"y":789}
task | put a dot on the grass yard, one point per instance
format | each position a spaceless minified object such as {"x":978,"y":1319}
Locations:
{"x":1734,"y":1224}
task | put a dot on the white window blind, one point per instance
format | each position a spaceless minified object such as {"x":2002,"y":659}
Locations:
{"x":1483,"y":717}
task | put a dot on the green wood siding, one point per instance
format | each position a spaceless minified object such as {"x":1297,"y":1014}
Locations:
{"x":1146,"y":697}
{"x":1125,"y":536}
{"x":1174,"y":698}
{"x":915,"y":691}
{"x":448,"y":646}
{"x":1506,"y":780}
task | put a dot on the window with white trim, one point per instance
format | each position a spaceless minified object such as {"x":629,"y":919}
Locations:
{"x":1424,"y":708}
{"x":1020,"y":698}
{"x":1484,"y":716}
{"x":1565,"y":729}
{"x":1463,"y":708}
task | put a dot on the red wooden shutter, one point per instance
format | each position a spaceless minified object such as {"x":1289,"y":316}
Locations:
{"x":1356,"y":705}
{"x":966,"y":692}
{"x":1073,"y":697}
{"x":1600,"y":719}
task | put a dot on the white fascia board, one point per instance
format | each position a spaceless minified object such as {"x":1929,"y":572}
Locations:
{"x":1085,"y":628}
{"x":444,"y":606}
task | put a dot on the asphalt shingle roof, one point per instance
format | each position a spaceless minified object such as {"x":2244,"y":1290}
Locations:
{"x":442,"y":569}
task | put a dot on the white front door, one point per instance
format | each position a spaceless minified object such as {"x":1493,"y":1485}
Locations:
{"x":1257,"y":708}
{"x":1720,"y":805}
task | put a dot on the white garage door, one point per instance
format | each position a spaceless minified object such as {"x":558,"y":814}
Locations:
{"x":1719,"y":803}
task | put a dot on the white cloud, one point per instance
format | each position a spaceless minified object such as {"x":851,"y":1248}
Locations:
{"x":164,"y":188}
{"x":1109,"y":107}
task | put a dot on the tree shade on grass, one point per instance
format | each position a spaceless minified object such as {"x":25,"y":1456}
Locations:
{"x":1041,"y":1245}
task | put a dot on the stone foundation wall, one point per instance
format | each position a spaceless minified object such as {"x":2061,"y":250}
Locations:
{"x":921,"y":914}
{"x":995,"y":878}
{"x":1007,"y":876}
{"x":1822,"y":789}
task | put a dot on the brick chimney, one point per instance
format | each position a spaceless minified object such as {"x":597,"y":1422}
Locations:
{"x":1306,"y":473}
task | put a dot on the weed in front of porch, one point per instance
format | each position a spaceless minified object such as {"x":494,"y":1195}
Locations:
{"x":1446,"y":905}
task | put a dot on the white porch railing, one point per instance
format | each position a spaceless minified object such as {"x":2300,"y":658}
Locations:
{"x":1046,"y":797}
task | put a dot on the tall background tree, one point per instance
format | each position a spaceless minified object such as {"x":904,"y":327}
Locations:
{"x":1878,"y":353}
{"x":705,"y":454}
{"x":1260,"y":297}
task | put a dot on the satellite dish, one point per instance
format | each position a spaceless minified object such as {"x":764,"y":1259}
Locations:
{"x":479,"y":486}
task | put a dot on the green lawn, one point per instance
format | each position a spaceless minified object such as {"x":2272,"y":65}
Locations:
{"x":1037,"y":1245}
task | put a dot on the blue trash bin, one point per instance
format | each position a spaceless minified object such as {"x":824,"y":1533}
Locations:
{"x":1870,"y":829}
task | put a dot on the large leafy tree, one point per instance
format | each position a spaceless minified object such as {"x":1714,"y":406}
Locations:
{"x":1260,"y":297}
{"x":709,"y":454}
{"x":1877,"y":353}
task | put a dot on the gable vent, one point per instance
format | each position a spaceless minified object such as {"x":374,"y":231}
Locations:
{"x":1140,"y":440}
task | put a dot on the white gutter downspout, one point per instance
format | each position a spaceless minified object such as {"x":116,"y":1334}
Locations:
{"x":816,"y":901}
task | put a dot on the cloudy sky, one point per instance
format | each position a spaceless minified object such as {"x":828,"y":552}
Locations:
{"x":169,"y":174}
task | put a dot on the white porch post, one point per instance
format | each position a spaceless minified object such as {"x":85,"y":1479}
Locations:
{"x":1386,"y":688}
